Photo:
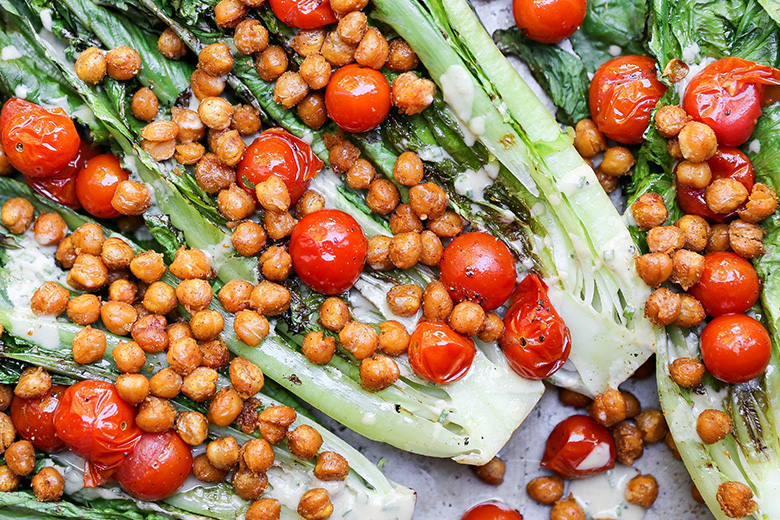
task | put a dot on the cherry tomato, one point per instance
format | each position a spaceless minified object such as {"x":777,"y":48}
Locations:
{"x":438,"y":353}
{"x":492,"y":511}
{"x":579,"y":446}
{"x":622,"y":93}
{"x":549,"y":21}
{"x":735,"y":348}
{"x":61,"y":187}
{"x":95,"y":423}
{"x":357,"y":98}
{"x":727,"y":162}
{"x":478,"y":267}
{"x":97,"y":182}
{"x":278,"y":152}
{"x":728,"y":284}
{"x":536,"y":341}
{"x":328,"y":250}
{"x":157,"y":467}
{"x":37,"y":142}
{"x":34,"y":419}
{"x":727,"y":95}
{"x":304,"y":14}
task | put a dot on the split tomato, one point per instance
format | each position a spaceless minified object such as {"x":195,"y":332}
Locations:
{"x":579,"y":446}
{"x":34,"y":419}
{"x":735,"y":348}
{"x":536,"y":341}
{"x":157,"y":467}
{"x":439,"y":354}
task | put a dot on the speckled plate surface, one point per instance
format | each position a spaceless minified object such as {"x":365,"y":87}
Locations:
{"x":446,"y":489}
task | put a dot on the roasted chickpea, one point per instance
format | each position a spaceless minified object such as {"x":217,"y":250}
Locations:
{"x":7,"y":432}
{"x":34,"y":382}
{"x":467,"y":318}
{"x":718,"y":238}
{"x":274,"y":421}
{"x":405,"y":249}
{"x":250,"y":37}
{"x":629,"y":445}
{"x":270,"y":299}
{"x":312,"y":110}
{"x":131,"y":198}
{"x":673,"y":147}
{"x":736,"y":499}
{"x":571,"y":398}
{"x":48,"y":485}
{"x":195,"y":294}
{"x":230,"y":147}
{"x":696,"y":231}
{"x":343,"y":156}
{"x":691,"y":312}
{"x":91,"y":66}
{"x":66,"y":253}
{"x":337,"y":51}
{"x":642,"y":491}
{"x":234,"y":295}
{"x":725,"y":195}
{"x":159,"y":150}
{"x":246,"y":377}
{"x":687,"y":372}
{"x":401,"y":57}
{"x":315,"y":504}
{"x":315,"y":71}
{"x":761,"y":203}
{"x":116,"y":253}
{"x":150,"y":332}
{"x":225,"y":406}
{"x":359,"y":339}
{"x":132,"y":388}
{"x":215,"y":59}
{"x":404,"y":220}
{"x":331,"y":467}
{"x":373,"y":50}
{"x":88,"y":238}
{"x":663,"y":307}
{"x":342,"y":7}
{"x":264,"y":509}
{"x":271,"y":63}
{"x":318,"y":348}
{"x":492,"y":328}
{"x":649,"y":211}
{"x":223,"y":453}
{"x":378,"y":372}
{"x":697,"y":142}
{"x":178,"y":330}
{"x":308,"y":41}
{"x":687,"y":268}
{"x":192,"y":427}
{"x":304,"y":442}
{"x":695,"y":175}
{"x":155,"y":415}
{"x":545,"y":490}
{"x":404,"y":299}
{"x":246,"y":120}
{"x":249,"y":485}
{"x":165,"y":384}
{"x":428,"y":200}
{"x":9,"y":480}
{"x":20,"y":458}
{"x":205,"y":471}
{"x":436,"y":302}
{"x":654,"y":268}
{"x":746,"y":239}
{"x":670,"y":120}
{"x":378,"y":254}
{"x":334,"y":314}
{"x":608,"y":408}
{"x":235,"y":204}
{"x":393,"y":338}
{"x":145,"y":104}
{"x":408,"y":169}
{"x":352,"y":27}
{"x":432,"y":248}
{"x":216,"y":113}
{"x":617,"y":161}
{"x":49,"y":229}
{"x":713,"y":426}
{"x":665,"y":239}
{"x":123,"y":63}
{"x":191,"y":128}
{"x":448,"y":225}
{"x":215,"y":354}
{"x":17,"y":215}
{"x":88,"y":273}
{"x":118,"y":317}
{"x":184,"y":355}
{"x":160,"y":298}
{"x":567,"y":509}
{"x":227,"y":13}
{"x":652,"y":424}
{"x":291,"y":88}
{"x":608,"y":183}
{"x":6,"y":395}
{"x":251,"y":327}
{"x":588,"y":140}
{"x":278,"y":225}
{"x":170,"y":45}
{"x":51,"y":299}
{"x":129,"y":357}
{"x":273,"y":195}
{"x":248,"y":238}
{"x":411,"y":94}
{"x":88,"y":345}
{"x":200,"y":384}
{"x":360,"y":175}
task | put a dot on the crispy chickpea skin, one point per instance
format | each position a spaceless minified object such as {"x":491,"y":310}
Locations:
{"x":607,"y":182}
{"x":696,"y":231}
{"x":215,"y":354}
{"x":315,"y":71}
{"x":207,"y":472}
{"x":343,"y":156}
{"x":275,"y":264}
{"x":642,"y":491}
{"x":404,"y":219}
{"x":629,"y":444}
{"x":234,"y":295}
{"x":337,"y":51}
{"x":192,"y":427}
{"x":331,"y":467}
{"x":195,"y":294}
{"x":735,"y":499}
{"x":428,"y":200}
{"x":66,"y":253}
{"x":116,"y":253}
{"x":378,"y":254}
{"x":200,"y":384}
{"x":382,"y":197}
{"x":352,"y":27}
{"x":436,"y":302}
{"x":271,"y":63}
{"x":49,"y":229}
{"x":405,"y":249}
{"x":571,"y":398}
{"x":51,"y":299}
{"x":20,"y":458}
{"x":145,"y":104}
{"x":88,"y":345}
{"x":7,"y":432}
{"x":567,"y":509}
{"x":408,"y":169}
{"x":718,"y":238}
{"x":246,"y":377}
{"x":334,"y":314}
{"x":123,"y":63}
{"x":191,"y":128}
{"x":121,"y":291}
{"x":713,"y":426}
{"x":248,"y":238}
{"x":545,"y":490}
{"x":227,"y":13}
{"x":251,"y":327}
{"x":129,"y":357}
{"x":315,"y":504}
{"x":250,"y":37}
{"x":432,"y":248}
{"x":88,"y":239}
{"x":17,"y":215}
{"x":687,"y":372}
{"x":150,"y":332}
{"x":278,"y":225}
{"x":204,"y":85}
{"x":588,"y":140}
{"x":654,"y":268}
{"x":184,"y":355}
{"x":308,"y":41}
{"x":170,"y":45}
{"x":608,"y":408}
{"x":309,"y":202}
{"x":257,"y":455}
{"x":48,"y":485}
{"x":697,"y":142}
{"x":378,"y":372}
{"x":411,"y":94}
{"x":401,"y":57}
{"x":190,"y":263}
{"x":633,"y":407}
{"x":6,"y":395}
{"x":290,"y":89}
{"x":373,"y":50}
{"x":148,"y":266}
{"x":225,"y":406}
{"x":304,"y":442}
{"x":652,"y":424}
{"x":725,"y":195}
{"x":318,"y":348}
{"x":663,"y":307}
{"x":649,"y":211}
{"x":33,"y":382}
{"x":270,"y":299}
{"x":761,"y":203}
{"x":695,"y":175}
{"x":404,"y":299}
{"x":670,"y":120}
{"x":687,"y":268}
{"x":491,"y":473}
{"x":359,"y":339}
{"x":246,"y":120}
{"x":492,"y":328}
{"x":215,"y":59}
{"x":393,"y":338}
{"x":447,"y":225}
{"x":223,"y":453}
{"x":132,"y":388}
{"x":264,"y":509}
{"x":9,"y":480}
{"x":155,"y":415}
{"x":230,"y":147}
{"x":691,"y":312}
{"x":665,"y":239}
{"x":160,"y":298}
{"x":272,"y":194}
{"x":467,"y":318}
{"x":746,"y":239}
{"x":118,"y":317}
{"x":249,"y":485}
{"x":91,"y":66}
{"x":165,"y":384}
{"x":617,"y":161}
{"x":88,"y":273}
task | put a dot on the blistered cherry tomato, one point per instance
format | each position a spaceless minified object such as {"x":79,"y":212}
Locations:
{"x":727,"y":95}
{"x":727,"y":162}
{"x":357,"y":98}
{"x":37,"y":142}
{"x":95,"y":423}
{"x":34,"y":419}
{"x":328,"y":250}
{"x":578,"y":447}
{"x":622,"y":93}
{"x":97,"y":182}
{"x":478,"y":267}
{"x":549,"y":21}
{"x":728,"y":284}
{"x":492,"y":511}
{"x":304,"y":14}
{"x":278,"y":152}
{"x":735,"y":348}
{"x":157,"y":467}
{"x":61,"y":187}
{"x":536,"y":341}
{"x":439,"y":354}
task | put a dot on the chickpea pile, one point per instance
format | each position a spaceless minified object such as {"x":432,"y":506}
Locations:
{"x":123,"y":290}
{"x":121,"y":63}
{"x":616,"y":162}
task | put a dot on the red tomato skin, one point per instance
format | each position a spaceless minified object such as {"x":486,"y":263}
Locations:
{"x":735,"y":348}
{"x":278,"y":152}
{"x":622,"y":93}
{"x":439,"y":354}
{"x":97,"y":182}
{"x":61,"y":187}
{"x":727,"y":95}
{"x":549,"y":21}
{"x":728,"y":285}
{"x":536,"y":341}
{"x":728,"y":162}
{"x":157,"y":467}
{"x":492,"y":511}
{"x":570,"y":443}
{"x":328,"y":250}
{"x":358,"y":98}
{"x":95,"y":423}
{"x":34,"y":419}
{"x":478,"y":267}
{"x":304,"y":14}
{"x":37,"y":142}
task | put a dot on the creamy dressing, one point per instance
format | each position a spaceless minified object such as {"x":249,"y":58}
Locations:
{"x":473,"y":183}
{"x":21,"y":91}
{"x":597,"y":458}
{"x":46,"y":19}
{"x":458,"y":90}
{"x":9,"y":53}
{"x":693,"y":69}
{"x":603,"y":495}
{"x":754,"y":146}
